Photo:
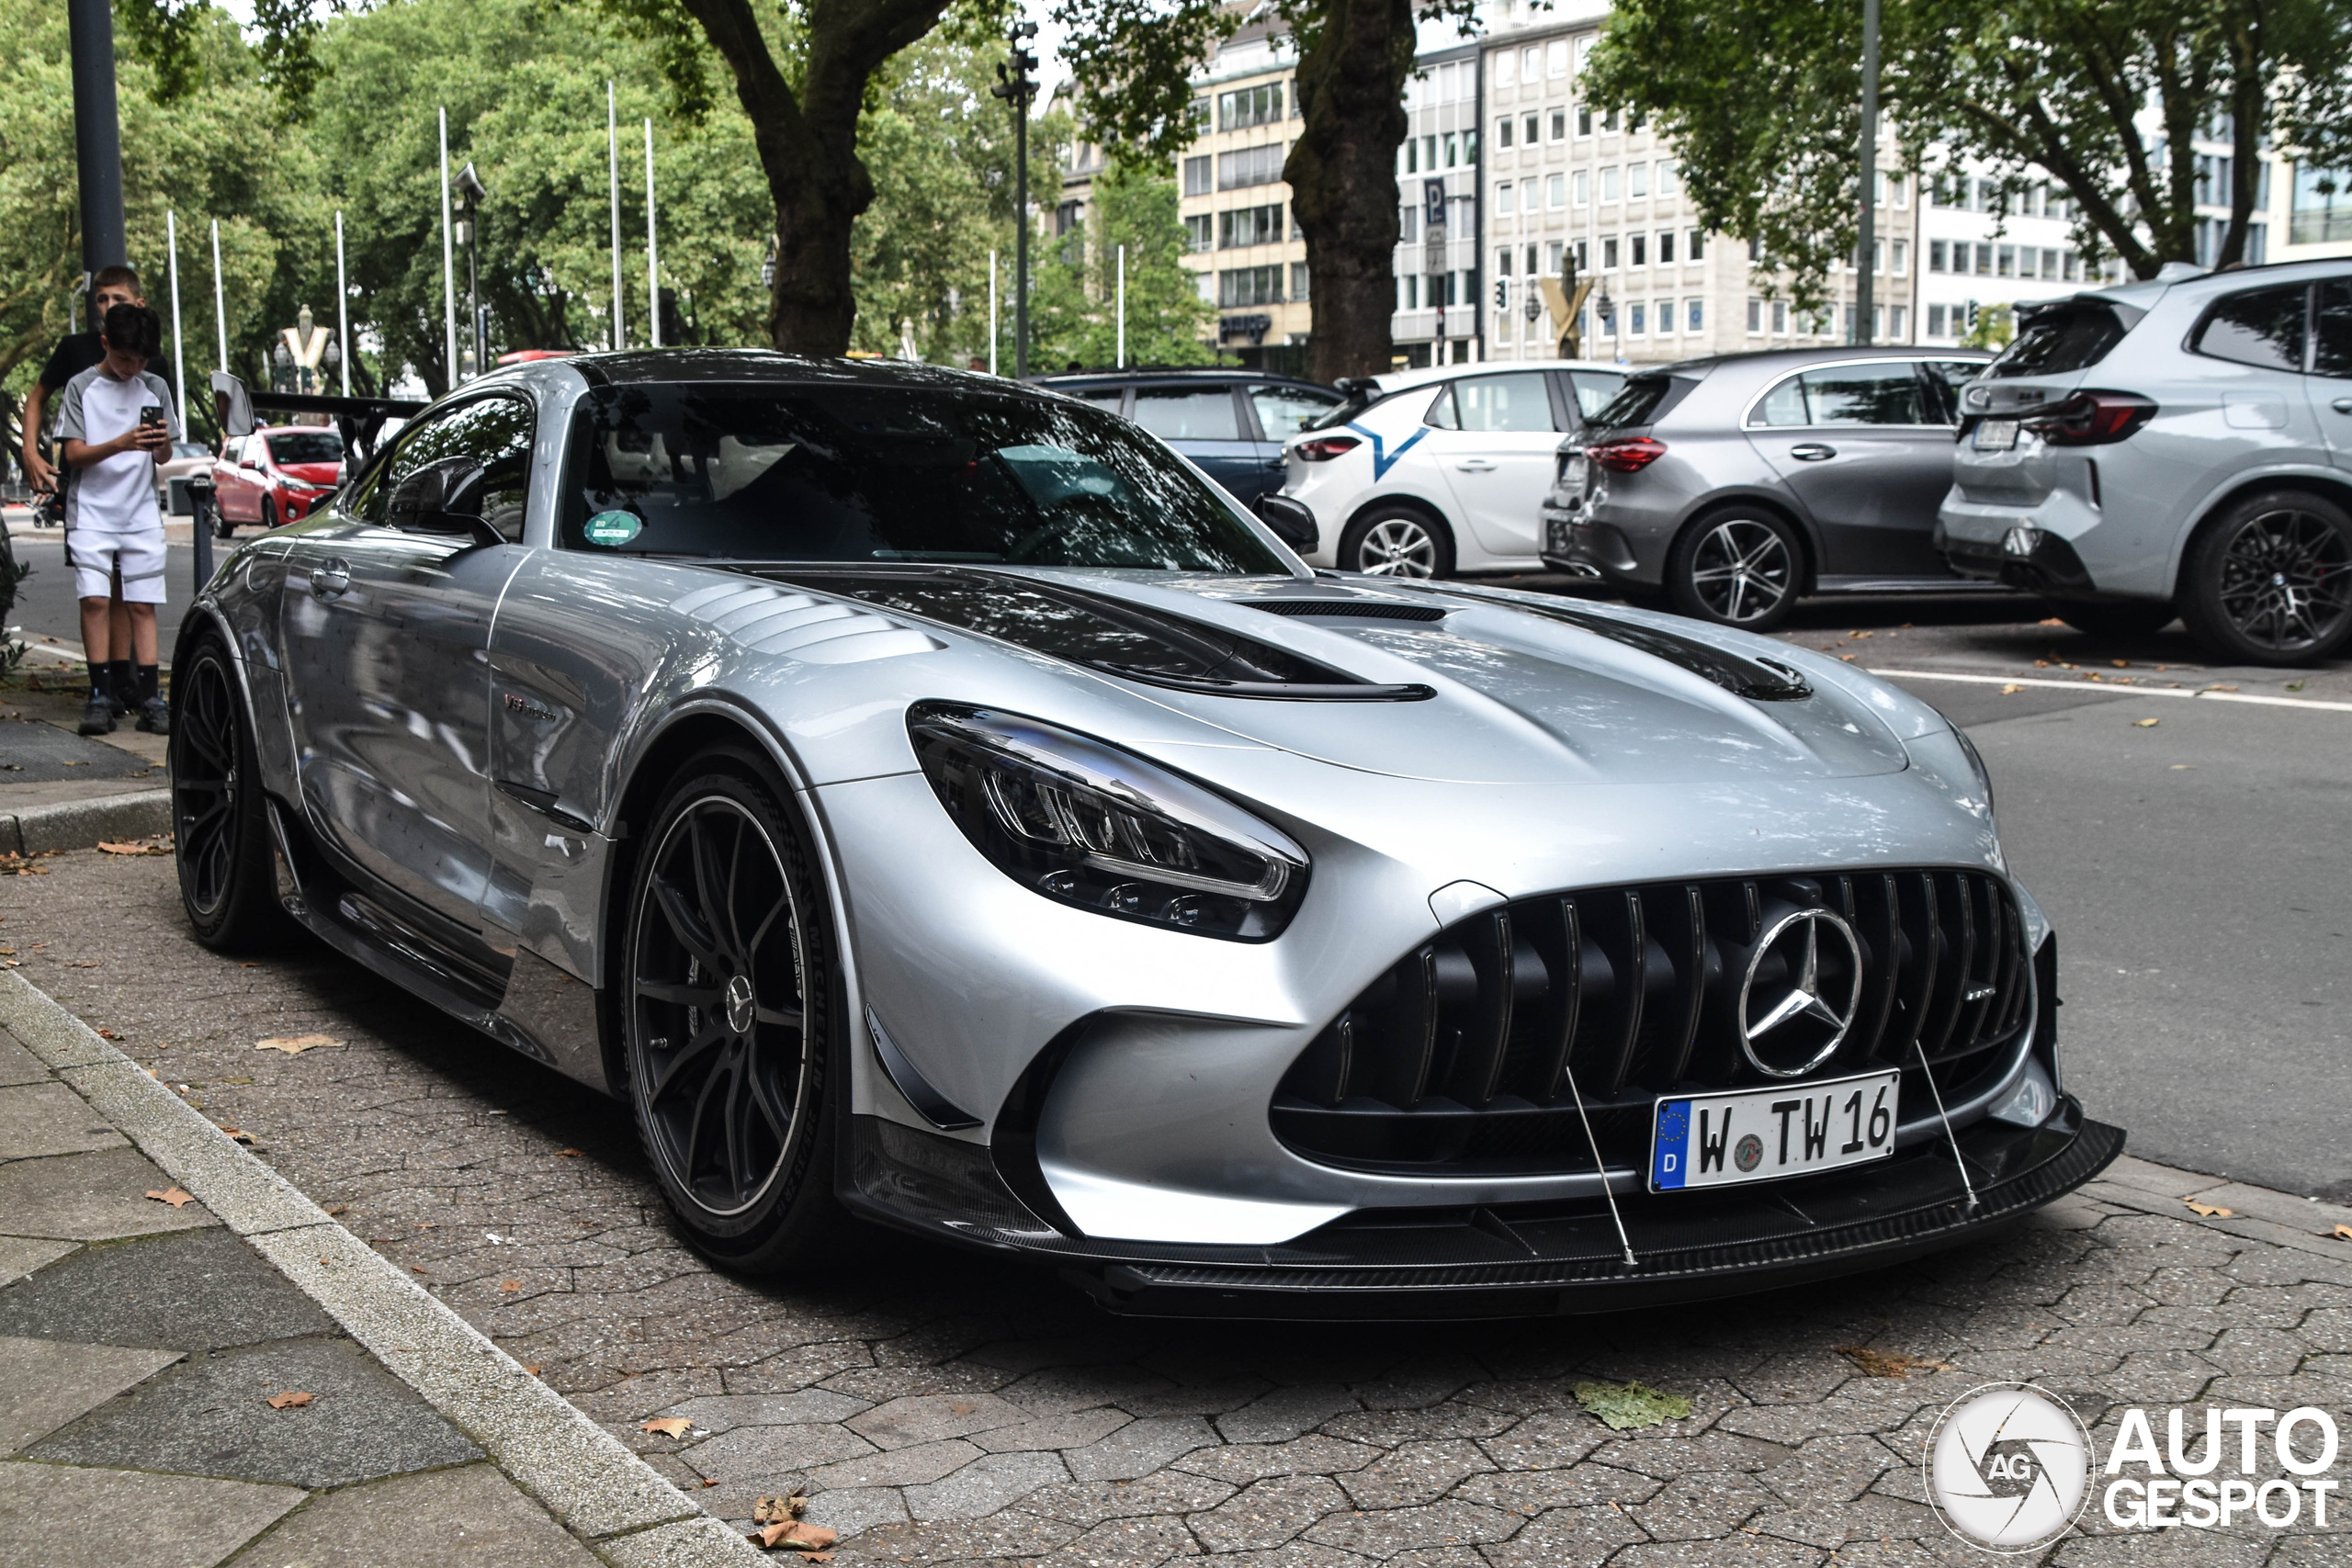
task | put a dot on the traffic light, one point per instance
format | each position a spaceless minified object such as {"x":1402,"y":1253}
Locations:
{"x":1502,"y":294}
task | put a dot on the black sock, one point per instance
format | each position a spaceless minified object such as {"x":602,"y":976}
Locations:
{"x":147,"y":684}
{"x":101,"y":680}
{"x":120,"y":671}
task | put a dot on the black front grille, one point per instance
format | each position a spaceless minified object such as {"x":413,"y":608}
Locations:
{"x":1467,"y":1056}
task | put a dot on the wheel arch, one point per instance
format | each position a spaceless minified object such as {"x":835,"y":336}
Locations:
{"x":1716,"y":504}
{"x":2336,"y":488}
{"x":1396,"y":501}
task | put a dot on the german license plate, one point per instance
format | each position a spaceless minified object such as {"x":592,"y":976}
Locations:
{"x":1763,"y":1134}
{"x":1996,"y":435}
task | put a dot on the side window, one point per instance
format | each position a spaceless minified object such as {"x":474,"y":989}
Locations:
{"x":494,"y":432}
{"x":2333,"y":352}
{"x":1188,"y":413}
{"x":1950,"y":376}
{"x":2262,"y":327}
{"x":1784,"y":404}
{"x":1885,"y":393}
{"x":1284,"y":412}
{"x":1520,"y":403}
{"x":1108,"y":396}
{"x":1442,"y":415}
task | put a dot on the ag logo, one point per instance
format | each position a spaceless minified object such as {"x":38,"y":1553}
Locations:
{"x":2008,"y":1467}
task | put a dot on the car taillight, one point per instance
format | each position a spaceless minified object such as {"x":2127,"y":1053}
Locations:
{"x":2092,"y":419}
{"x":1627,"y":453}
{"x":1323,"y":449}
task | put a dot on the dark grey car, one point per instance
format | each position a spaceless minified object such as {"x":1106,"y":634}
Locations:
{"x":1231,"y":422}
{"x":1737,"y":484}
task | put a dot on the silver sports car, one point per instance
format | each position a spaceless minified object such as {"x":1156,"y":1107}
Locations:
{"x":924,"y":799}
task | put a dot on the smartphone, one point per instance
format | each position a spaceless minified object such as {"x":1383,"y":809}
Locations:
{"x":151,"y":414}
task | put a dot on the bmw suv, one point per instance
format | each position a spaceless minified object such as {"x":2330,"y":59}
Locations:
{"x":2180,"y":446}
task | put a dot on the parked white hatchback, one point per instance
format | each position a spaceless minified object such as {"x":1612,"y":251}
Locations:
{"x":1428,"y":473}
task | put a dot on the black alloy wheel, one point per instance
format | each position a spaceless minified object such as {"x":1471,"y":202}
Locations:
{"x":727,"y":1024}
{"x":1397,"y":541}
{"x":2271,"y":583}
{"x":1737,"y":569}
{"x":219,"y":820}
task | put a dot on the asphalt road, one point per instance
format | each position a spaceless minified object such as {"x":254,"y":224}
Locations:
{"x":46,"y":606}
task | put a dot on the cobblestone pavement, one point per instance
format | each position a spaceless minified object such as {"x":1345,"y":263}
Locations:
{"x":941,"y":1408}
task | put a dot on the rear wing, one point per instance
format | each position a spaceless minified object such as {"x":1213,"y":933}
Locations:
{"x":361,"y":420}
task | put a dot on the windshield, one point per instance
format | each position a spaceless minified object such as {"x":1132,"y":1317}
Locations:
{"x":888,"y":474}
{"x":1634,"y":402}
{"x":306,"y":446}
{"x":2056,"y":339}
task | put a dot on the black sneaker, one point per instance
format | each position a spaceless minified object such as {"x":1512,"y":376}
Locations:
{"x":97,"y":718}
{"x":154,"y":716}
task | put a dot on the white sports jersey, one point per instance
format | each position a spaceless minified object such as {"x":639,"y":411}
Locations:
{"x":116,"y":496}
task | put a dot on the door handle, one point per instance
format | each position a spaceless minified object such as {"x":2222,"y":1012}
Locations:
{"x":2342,"y":405}
{"x":1475,"y":465}
{"x":1811,"y":452}
{"x":331,"y":578}
{"x":1277,"y":464}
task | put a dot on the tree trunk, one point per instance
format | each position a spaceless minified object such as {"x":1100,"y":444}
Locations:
{"x":808,"y":146}
{"x":1342,"y":175}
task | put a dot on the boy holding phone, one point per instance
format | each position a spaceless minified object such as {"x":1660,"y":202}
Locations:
{"x":117,"y":424}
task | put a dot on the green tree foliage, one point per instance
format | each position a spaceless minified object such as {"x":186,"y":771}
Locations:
{"x":1073,"y":306}
{"x":1762,"y":96}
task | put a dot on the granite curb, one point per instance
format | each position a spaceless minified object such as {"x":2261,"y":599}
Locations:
{"x":619,"y":1505}
{"x":81,"y":824}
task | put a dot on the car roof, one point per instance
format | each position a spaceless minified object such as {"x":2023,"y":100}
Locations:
{"x":1429,"y":376}
{"x":1771,"y":359}
{"x":713,"y":365}
{"x":298,"y":429}
{"x":1226,"y":374}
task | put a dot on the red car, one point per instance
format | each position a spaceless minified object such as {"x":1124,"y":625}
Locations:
{"x":277,"y":475}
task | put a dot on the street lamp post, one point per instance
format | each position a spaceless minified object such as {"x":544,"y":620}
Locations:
{"x":470,"y":195}
{"x":1016,"y":87}
{"x":1866,"y":251}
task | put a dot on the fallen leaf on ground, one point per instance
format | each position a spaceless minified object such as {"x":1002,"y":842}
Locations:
{"x":2342,"y":1233}
{"x":2216,"y":686}
{"x":508,"y":1287}
{"x":338,"y":1209}
{"x":2011,"y":691}
{"x":293,"y":1399}
{"x":778,"y":1510}
{"x":108,"y":1034}
{"x":2053,"y":621}
{"x":532,"y":1367}
{"x":667,"y":1426}
{"x":708,"y":1481}
{"x":567,"y":1153}
{"x":2209,"y":1210}
{"x":794,"y":1535}
{"x":1622,"y":1406}
{"x":2146,"y":722}
{"x":1887,"y":1363}
{"x":414,"y":1269}
{"x":131,"y":848}
{"x":295,"y":1045}
{"x":236,"y":1135}
{"x":2295,"y":685}
{"x":174,"y":1196}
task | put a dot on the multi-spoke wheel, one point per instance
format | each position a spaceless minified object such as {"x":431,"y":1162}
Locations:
{"x":1738,"y":569}
{"x":727,"y":1027}
{"x":221,"y":830}
{"x":1396,"y":542}
{"x":2271,"y":582}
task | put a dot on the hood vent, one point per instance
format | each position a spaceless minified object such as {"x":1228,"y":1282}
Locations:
{"x":1758,"y":679}
{"x":1366,"y":609}
{"x":767,"y":619}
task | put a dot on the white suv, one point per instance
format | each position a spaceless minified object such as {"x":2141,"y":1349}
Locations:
{"x":1445,"y":469}
{"x":2178,"y":446}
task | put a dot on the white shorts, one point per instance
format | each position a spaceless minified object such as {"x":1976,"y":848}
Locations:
{"x":96,"y":557}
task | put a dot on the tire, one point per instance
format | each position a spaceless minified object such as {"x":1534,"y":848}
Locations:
{"x":739,"y":1118}
{"x":268,"y":512}
{"x":1741,"y":567}
{"x":220,"y":819}
{"x":2117,"y":617}
{"x":2270,"y":580}
{"x":1397,"y":541}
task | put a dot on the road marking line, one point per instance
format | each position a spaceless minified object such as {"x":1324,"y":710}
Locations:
{"x":2104,"y":689}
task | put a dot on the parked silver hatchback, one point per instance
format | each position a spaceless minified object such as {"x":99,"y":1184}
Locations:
{"x":1737,"y":484}
{"x":2183,"y":444}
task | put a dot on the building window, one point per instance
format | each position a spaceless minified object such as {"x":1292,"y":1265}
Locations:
{"x":1250,"y":166}
{"x":1780,"y":318}
{"x":1584,"y":120}
{"x":1506,"y":68}
{"x":1207,"y":282}
{"x":1666,"y":247}
{"x":1409,"y":224}
{"x":1584,"y":187}
{"x":1503,"y":129}
{"x":1609,"y":183}
{"x":1505,"y":201}
{"x":2049,"y":264}
{"x":1531,"y":261}
{"x":1554,"y":190}
{"x":1527,"y":195}
{"x":1527,"y":130}
{"x":1694,"y":315}
{"x":1608,"y":255}
{"x":1249,"y":226}
{"x":1438,"y":289}
{"x":2319,"y":208}
{"x":1528,"y":67}
{"x":1696,"y":251}
{"x":1298,"y":280}
{"x":1246,"y":106}
{"x":1249,"y":285}
{"x":2067,"y":263}
{"x":1936,"y":256}
{"x":1666,"y":186}
{"x":1935,"y":320}
{"x":1637,"y":179}
{"x":1584,"y":256}
{"x":1556,"y":58}
{"x":2005,"y":263}
{"x":1756,"y":318}
{"x":1552,"y":257}
{"x":1641,"y":247}
{"x":1067,"y":216}
{"x":1984,"y":261}
{"x":1452,"y":150}
{"x":1200,"y":112}
{"x":1637,"y":320}
{"x":1196,"y":176}
{"x":1902,"y":258}
{"x":1755,"y":251}
{"x":1428,"y":152}
{"x":1197,"y":232}
{"x":1900,"y":335}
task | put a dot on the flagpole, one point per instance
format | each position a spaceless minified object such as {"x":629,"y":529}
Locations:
{"x":448,"y":261}
{"x":613,"y":157}
{"x":342,"y":303}
{"x":179,"y":357}
{"x":653,"y":251}
{"x":1123,"y":307}
{"x":991,"y":312}
{"x":220,"y":301}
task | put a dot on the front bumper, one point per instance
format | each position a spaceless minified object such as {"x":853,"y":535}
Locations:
{"x":1505,"y":1259}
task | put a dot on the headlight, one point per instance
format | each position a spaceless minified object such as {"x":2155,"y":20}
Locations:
{"x":1976,"y":762}
{"x":1084,"y":823}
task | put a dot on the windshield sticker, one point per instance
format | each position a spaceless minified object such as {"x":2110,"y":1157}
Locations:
{"x":613,"y":528}
{"x":1383,"y":461}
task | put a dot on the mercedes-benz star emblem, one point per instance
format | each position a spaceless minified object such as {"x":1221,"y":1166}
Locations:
{"x":743,"y":1007}
{"x":1795,"y":1020}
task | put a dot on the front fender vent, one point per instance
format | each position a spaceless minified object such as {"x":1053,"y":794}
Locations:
{"x":1456,"y":1060}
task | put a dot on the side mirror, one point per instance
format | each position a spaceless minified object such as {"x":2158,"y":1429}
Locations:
{"x":1291,"y":520}
{"x":232,"y":406}
{"x":443,"y":497}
